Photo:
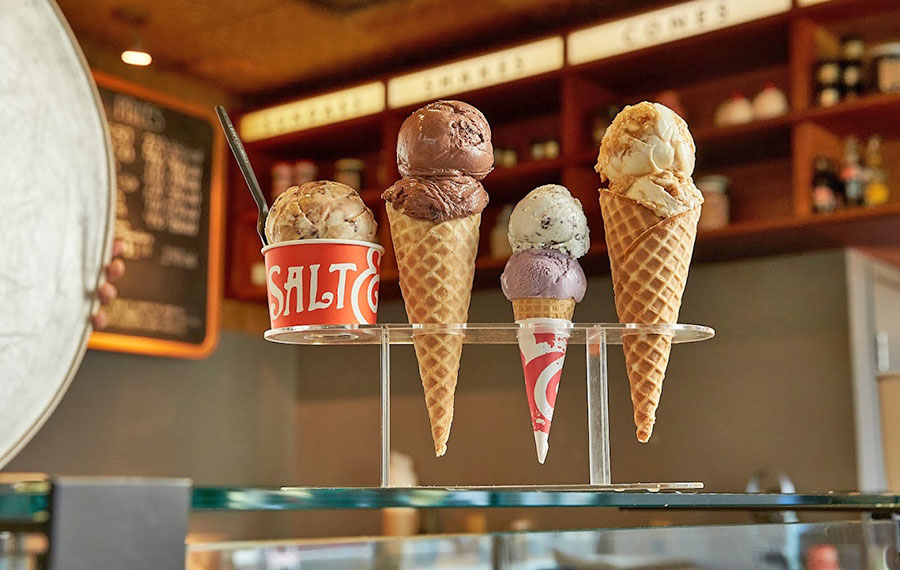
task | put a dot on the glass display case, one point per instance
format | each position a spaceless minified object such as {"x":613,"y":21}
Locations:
{"x":142,"y":523}
{"x":866,"y":545}
{"x":869,"y":541}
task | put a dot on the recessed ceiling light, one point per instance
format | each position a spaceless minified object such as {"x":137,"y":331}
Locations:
{"x":136,"y":57}
{"x":135,"y":54}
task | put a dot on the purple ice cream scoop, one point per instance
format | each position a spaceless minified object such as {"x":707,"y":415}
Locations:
{"x":543,"y":273}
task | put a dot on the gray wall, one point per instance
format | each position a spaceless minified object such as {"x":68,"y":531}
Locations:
{"x":226,"y":420}
{"x":771,"y":390}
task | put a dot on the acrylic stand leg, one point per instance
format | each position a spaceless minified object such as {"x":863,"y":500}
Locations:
{"x":385,"y":408}
{"x":598,"y":406}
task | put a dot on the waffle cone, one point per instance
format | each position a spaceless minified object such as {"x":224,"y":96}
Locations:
{"x":534,"y":307}
{"x":436,"y":264}
{"x":649,"y":257}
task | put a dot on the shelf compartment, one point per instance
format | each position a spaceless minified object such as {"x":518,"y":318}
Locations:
{"x":759,"y":190}
{"x":873,"y":113}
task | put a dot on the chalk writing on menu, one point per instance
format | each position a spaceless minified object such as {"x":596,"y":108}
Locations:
{"x":163,"y":172}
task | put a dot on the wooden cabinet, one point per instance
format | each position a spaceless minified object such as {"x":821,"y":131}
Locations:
{"x":769,"y":162}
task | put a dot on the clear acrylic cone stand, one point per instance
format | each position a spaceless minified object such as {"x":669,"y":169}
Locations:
{"x":596,"y":338}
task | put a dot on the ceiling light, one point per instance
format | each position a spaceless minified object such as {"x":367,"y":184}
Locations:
{"x":136,"y":57}
{"x":135,"y":54}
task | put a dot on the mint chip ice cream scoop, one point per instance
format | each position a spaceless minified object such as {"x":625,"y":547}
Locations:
{"x":549,"y":217}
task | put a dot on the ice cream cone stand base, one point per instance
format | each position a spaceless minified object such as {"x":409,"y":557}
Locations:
{"x":595,"y":337}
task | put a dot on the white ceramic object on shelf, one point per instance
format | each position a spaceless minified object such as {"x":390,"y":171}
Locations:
{"x":736,"y":110}
{"x":770,"y":102}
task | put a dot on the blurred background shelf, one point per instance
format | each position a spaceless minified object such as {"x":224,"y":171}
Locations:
{"x":769,"y":162}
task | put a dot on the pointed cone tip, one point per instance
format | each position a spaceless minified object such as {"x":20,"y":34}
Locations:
{"x":541,"y":445}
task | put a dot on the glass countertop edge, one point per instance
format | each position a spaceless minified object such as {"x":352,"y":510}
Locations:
{"x":325,"y":498}
{"x":24,"y":503}
{"x":31,"y":506}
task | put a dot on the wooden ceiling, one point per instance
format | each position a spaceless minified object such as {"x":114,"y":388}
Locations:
{"x":272,"y":47}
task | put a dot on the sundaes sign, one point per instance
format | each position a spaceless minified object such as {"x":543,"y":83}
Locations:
{"x":322,"y":282}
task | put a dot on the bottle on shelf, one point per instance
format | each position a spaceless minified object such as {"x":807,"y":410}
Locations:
{"x":505,"y":157}
{"x":715,"y":213}
{"x":877,"y":192}
{"x":602,"y":121}
{"x":500,"y":247}
{"x":349,"y":171}
{"x":852,"y":50}
{"x":825,"y":192}
{"x":282,"y":179}
{"x":852,"y":174}
{"x":304,"y":171}
{"x":551,"y":149}
{"x":828,"y":82}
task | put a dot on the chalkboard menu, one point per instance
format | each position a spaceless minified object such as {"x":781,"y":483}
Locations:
{"x":168,"y":217}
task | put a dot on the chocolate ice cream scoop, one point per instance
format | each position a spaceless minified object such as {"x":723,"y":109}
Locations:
{"x":323,"y":210}
{"x":445,"y":139}
{"x":437,"y":199}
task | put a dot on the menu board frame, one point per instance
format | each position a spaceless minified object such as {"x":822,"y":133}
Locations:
{"x":137,"y":344}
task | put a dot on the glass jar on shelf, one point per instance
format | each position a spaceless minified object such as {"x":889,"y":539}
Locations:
{"x":304,"y":171}
{"x":282,"y":179}
{"x":886,"y":67}
{"x":349,"y":171}
{"x":716,"y":210}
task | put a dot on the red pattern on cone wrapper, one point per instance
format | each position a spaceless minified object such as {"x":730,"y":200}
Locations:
{"x":542,"y":346}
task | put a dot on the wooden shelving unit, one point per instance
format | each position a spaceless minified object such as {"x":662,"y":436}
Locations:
{"x":770,"y":162}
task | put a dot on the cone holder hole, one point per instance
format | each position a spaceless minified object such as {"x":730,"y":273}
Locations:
{"x":596,"y":338}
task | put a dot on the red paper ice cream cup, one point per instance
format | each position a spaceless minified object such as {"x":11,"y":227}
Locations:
{"x":322,"y":282}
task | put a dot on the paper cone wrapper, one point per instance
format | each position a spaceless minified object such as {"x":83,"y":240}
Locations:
{"x":436,"y":263}
{"x":649,"y":258}
{"x":542,"y":345}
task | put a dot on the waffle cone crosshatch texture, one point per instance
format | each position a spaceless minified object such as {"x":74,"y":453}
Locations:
{"x":437,"y":265}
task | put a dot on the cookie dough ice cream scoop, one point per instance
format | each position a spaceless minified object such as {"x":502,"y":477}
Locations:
{"x":323,"y":210}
